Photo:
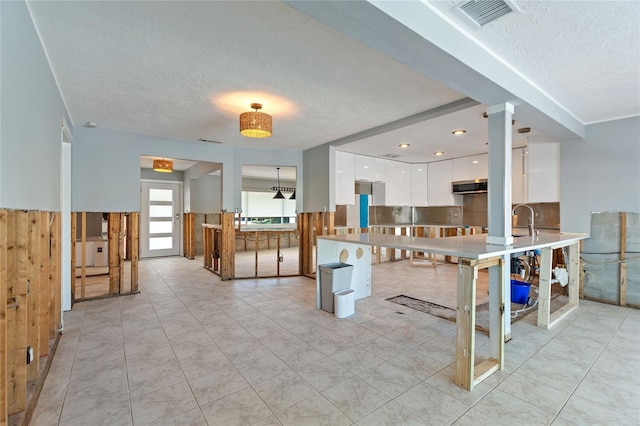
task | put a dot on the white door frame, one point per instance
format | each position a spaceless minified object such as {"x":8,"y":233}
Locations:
{"x":144,"y":218}
{"x":65,"y":221}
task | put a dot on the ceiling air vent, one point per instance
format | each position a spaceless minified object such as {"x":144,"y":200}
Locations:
{"x":208,"y":140}
{"x":481,"y":12}
{"x":390,"y":156}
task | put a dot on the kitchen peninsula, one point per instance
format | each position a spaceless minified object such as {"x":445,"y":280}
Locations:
{"x":473,"y":254}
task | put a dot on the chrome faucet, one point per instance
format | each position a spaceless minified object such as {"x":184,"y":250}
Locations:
{"x":530,"y":223}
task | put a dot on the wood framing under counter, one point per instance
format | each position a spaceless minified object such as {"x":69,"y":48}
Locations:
{"x":473,"y":254}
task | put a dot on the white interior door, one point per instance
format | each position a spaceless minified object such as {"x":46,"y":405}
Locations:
{"x":160,"y":219}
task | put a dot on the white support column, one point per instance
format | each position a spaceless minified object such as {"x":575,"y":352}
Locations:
{"x":499,"y":199}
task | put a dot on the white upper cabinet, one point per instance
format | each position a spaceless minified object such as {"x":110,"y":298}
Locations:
{"x":517,"y":176}
{"x":461,"y":169}
{"x":398,"y":184}
{"x":379,"y":170}
{"x":370,"y":169}
{"x":543,"y":170}
{"x":439,"y":178}
{"x":404,"y":184}
{"x":419,"y":185}
{"x":479,"y":167}
{"x":470,"y":168}
{"x":364,"y":167}
{"x":344,"y":178}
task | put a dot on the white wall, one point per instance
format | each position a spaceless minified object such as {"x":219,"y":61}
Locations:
{"x":197,"y":171}
{"x":318,"y":179}
{"x":31,"y":112}
{"x":206,"y":194}
{"x":600,"y":173}
{"x":97,"y":187}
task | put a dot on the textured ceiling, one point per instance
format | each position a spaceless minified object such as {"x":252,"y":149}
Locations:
{"x":188,"y":69}
{"x":584,"y":54}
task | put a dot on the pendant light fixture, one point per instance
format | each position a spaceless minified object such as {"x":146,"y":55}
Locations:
{"x":278,"y":195}
{"x":163,"y":166}
{"x":293,"y":196}
{"x":254,"y":124}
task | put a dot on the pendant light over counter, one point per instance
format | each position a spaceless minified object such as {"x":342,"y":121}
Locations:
{"x":255,"y":124}
{"x":278,"y":195}
{"x":280,"y":189}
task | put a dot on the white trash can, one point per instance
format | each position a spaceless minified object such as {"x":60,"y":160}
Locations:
{"x":344,"y":303}
{"x":334,"y":277}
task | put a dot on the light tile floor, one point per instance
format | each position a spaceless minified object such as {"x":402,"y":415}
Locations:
{"x":193,"y":350}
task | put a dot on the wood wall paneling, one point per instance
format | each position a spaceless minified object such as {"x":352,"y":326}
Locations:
{"x":134,"y":248}
{"x":45,"y":284}
{"x":3,"y":316}
{"x":33,"y":293}
{"x":114,"y":253}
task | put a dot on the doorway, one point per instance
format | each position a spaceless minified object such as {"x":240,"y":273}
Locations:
{"x":161,"y":219}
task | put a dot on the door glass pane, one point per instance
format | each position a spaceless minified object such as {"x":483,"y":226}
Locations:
{"x":160,"y":243}
{"x":160,"y":195}
{"x":161,"y":227}
{"x":160,"y":211}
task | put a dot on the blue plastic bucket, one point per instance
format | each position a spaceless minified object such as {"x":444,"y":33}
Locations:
{"x":519,"y":292}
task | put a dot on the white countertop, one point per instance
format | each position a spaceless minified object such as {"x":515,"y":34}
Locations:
{"x":467,"y":246}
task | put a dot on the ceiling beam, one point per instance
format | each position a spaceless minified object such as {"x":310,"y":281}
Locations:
{"x":416,"y":34}
{"x":407,"y":121}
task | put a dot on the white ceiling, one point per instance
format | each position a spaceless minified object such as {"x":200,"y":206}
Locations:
{"x":186,"y":70}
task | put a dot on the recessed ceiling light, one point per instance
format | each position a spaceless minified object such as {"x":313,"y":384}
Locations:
{"x":404,"y":145}
{"x":459,"y":132}
{"x":439,"y":153}
{"x":475,"y":161}
{"x":90,"y":124}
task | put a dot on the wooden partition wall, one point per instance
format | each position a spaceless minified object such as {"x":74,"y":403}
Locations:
{"x":220,"y":246}
{"x":310,"y":226}
{"x":189,"y":235}
{"x":30,"y":298}
{"x":123,"y":233}
{"x":193,"y":241}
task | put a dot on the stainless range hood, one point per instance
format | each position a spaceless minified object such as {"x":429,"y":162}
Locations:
{"x":476,"y":186}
